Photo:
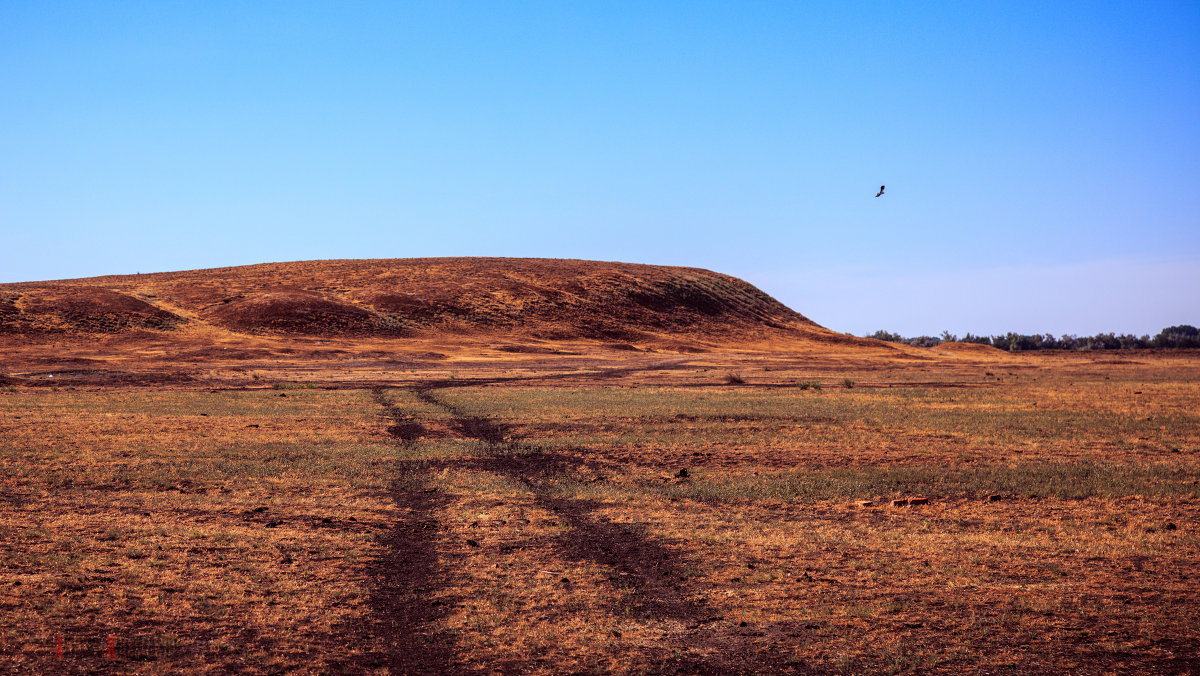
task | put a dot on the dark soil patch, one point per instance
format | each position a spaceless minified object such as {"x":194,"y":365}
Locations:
{"x":298,"y":312}
{"x":532,"y":349}
{"x":80,"y":309}
{"x":105,"y":377}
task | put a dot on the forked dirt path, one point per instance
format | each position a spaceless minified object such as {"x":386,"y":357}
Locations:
{"x":408,"y":571}
{"x":649,"y":574}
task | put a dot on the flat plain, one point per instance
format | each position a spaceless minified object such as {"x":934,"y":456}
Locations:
{"x":222,"y":501}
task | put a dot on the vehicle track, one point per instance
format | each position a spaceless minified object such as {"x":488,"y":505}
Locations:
{"x":650,"y":573}
{"x":409,"y":569}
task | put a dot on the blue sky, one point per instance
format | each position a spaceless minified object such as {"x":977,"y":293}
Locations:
{"x":1042,"y":159}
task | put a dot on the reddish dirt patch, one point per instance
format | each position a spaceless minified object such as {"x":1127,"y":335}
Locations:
{"x":975,"y":348}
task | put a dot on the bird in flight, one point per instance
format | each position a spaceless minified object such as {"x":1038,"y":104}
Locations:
{"x":880,"y":191}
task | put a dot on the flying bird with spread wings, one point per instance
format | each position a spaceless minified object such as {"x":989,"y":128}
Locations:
{"x":880,"y":191}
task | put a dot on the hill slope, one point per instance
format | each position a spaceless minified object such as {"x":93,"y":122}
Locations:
{"x":539,"y":298}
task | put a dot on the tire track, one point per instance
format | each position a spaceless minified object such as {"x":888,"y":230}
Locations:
{"x":652,"y":574}
{"x":408,"y":573}
{"x":649,"y":573}
{"x":648,"y":568}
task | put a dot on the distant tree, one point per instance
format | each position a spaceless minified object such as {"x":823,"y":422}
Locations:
{"x":1132,"y":342}
{"x":1185,"y":330}
{"x":1025,"y":343}
{"x":1102,"y":341}
{"x":888,"y":336}
{"x":1182,"y":336}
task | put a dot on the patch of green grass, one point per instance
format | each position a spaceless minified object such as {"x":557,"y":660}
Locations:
{"x":334,"y":406}
{"x":1066,"y":480}
{"x":1036,"y":480}
{"x":993,"y":420}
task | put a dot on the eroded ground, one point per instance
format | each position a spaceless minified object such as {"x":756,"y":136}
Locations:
{"x":496,"y":507}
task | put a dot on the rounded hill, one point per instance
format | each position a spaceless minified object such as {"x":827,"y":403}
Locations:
{"x":547,"y":299}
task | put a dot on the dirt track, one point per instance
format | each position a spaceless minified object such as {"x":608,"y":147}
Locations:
{"x":650,"y":572}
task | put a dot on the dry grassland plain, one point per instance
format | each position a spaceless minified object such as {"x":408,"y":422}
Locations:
{"x":481,"y":508}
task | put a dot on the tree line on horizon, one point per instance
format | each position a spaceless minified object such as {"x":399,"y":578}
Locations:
{"x":1173,"y":337}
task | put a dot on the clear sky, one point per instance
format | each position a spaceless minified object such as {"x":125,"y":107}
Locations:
{"x":1042,"y":159}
